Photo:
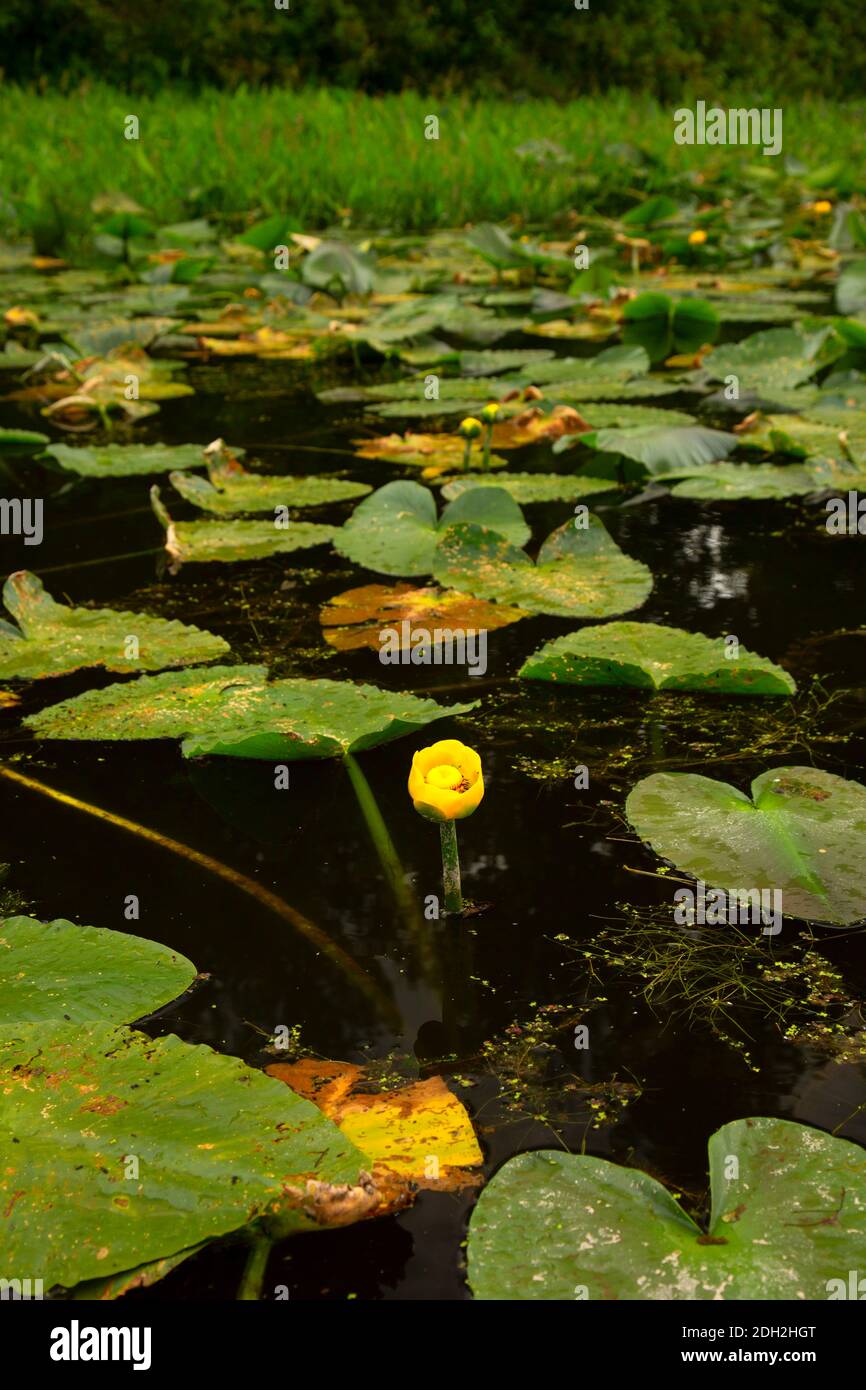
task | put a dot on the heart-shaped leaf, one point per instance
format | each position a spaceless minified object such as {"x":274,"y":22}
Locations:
{"x":788,"y":1215}
{"x":217,"y":1145}
{"x":580,"y":572}
{"x":233,"y":710}
{"x":803,"y":832}
{"x":395,"y":531}
{"x":54,"y":639}
{"x":660,"y":449}
{"x":653,"y":657}
{"x":56,"y":972}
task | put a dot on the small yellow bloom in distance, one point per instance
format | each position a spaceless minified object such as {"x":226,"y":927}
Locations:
{"x":445,"y":782}
{"x":822,"y":207}
{"x":697,"y":237}
{"x":470,"y":428}
{"x":490,"y":412}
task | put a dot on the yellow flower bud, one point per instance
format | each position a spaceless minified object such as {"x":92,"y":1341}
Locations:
{"x":445,"y":782}
{"x":822,"y":207}
{"x":470,"y":428}
{"x":697,"y":237}
{"x":490,"y":412}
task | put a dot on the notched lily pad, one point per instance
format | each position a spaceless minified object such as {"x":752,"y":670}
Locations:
{"x":580,"y":572}
{"x":653,"y":657}
{"x":803,"y":832}
{"x":233,"y":710}
{"x":395,"y":531}
{"x":552,"y":1225}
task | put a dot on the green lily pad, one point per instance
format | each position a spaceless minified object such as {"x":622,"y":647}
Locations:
{"x":53,"y":972}
{"x":125,"y":460}
{"x":774,"y":364}
{"x":803,"y":832}
{"x":229,"y":489}
{"x":664,"y":450}
{"x":552,"y":1225}
{"x":52,"y":640}
{"x":580,"y":572}
{"x":24,"y":439}
{"x":217,"y":1145}
{"x":758,"y":482}
{"x":653,"y":657}
{"x":531,"y":487}
{"x":203,"y":542}
{"x":233,"y":710}
{"x":395,"y":531}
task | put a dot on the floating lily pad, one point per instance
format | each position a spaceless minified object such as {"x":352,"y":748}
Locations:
{"x":663,"y":449}
{"x":203,"y":542}
{"x":552,"y":1225}
{"x":233,"y":710}
{"x":229,"y":488}
{"x":125,"y":460}
{"x":653,"y":657}
{"x":435,"y":453}
{"x":52,"y":640}
{"x":532,"y":487}
{"x":395,"y":531}
{"x":803,"y":832}
{"x":357,"y":617}
{"x":580,"y":572}
{"x":217,"y":1145}
{"x":56,"y":972}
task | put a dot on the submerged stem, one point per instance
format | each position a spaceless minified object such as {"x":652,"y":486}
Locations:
{"x":319,"y":939}
{"x":450,"y":867}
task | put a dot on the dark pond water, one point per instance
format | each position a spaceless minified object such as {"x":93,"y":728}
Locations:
{"x":557,"y":866}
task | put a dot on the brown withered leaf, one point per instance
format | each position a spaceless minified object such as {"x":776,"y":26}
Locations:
{"x":533,"y":425}
{"x":355,"y":618}
{"x":417,"y":1136}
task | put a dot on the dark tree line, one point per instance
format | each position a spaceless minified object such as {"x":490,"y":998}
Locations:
{"x":543,"y":47}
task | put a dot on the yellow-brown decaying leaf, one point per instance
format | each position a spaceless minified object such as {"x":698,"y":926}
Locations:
{"x":356,"y":618}
{"x":417,"y":1136}
{"x":532,"y":426}
{"x":7,"y":698}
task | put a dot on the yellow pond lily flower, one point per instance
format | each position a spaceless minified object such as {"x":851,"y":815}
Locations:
{"x":445,"y":783}
{"x":697,"y":237}
{"x":470,"y":428}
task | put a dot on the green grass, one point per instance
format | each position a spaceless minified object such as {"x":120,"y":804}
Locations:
{"x":330,"y":157}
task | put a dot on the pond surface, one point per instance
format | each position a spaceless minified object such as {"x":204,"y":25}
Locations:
{"x":574,"y":913}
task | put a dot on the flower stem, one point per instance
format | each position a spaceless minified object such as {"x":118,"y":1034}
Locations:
{"x":487,"y":441}
{"x":450,"y":867}
{"x":467,"y":450}
{"x":252,"y":1279}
